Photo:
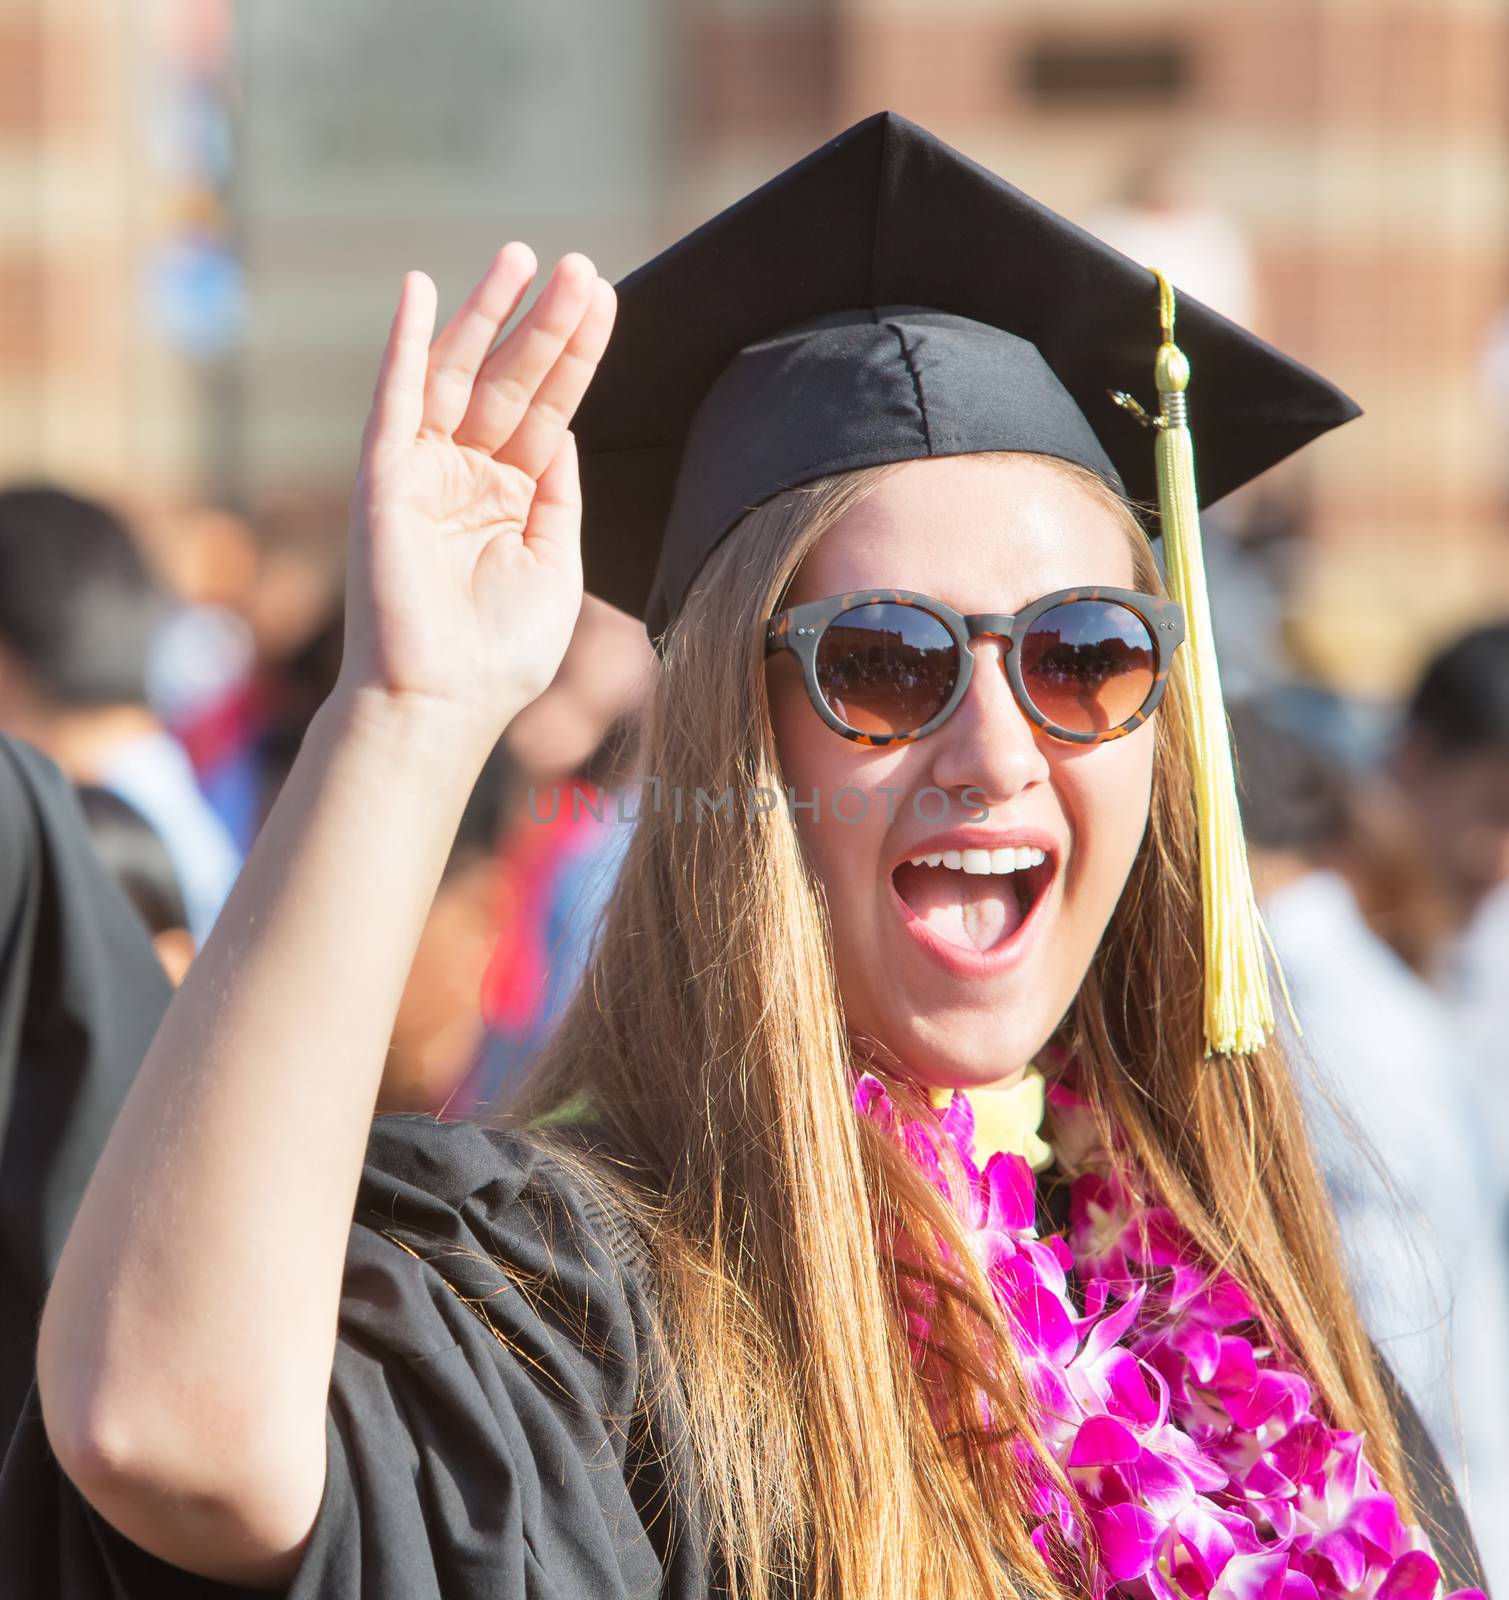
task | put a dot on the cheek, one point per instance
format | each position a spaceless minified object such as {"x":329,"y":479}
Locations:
{"x":1107,"y":795}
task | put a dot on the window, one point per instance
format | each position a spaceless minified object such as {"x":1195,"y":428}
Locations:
{"x":1141,"y":72}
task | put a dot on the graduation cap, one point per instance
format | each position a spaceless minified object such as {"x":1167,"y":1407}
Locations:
{"x":887,"y":299}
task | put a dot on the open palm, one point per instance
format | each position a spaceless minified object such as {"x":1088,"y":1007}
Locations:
{"x":465,"y":568}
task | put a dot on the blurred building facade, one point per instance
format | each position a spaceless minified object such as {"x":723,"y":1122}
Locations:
{"x":1361,"y":146}
{"x":378,"y":136}
{"x":94,"y":390}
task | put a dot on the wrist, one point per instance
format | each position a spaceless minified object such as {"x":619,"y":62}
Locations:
{"x":429,"y":737}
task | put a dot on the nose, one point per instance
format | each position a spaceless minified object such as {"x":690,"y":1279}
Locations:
{"x":989,"y":743}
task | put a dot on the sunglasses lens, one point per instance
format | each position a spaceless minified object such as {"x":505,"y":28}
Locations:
{"x":886,"y":668}
{"x":1089,"y":665}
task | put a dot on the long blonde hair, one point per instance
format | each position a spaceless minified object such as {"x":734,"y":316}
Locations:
{"x":709,"y":1036}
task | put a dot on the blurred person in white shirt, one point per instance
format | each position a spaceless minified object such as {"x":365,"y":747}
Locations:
{"x":1394,"y":1095}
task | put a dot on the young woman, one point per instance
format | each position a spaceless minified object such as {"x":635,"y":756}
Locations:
{"x":734,"y":1308}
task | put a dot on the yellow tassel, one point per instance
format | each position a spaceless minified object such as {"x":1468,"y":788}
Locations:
{"x":1238,"y":1004}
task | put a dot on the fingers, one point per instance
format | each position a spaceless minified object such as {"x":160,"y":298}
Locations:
{"x":555,"y":518}
{"x":534,"y":442}
{"x":465,"y":340}
{"x":516,"y":403}
{"x":510,"y":379}
{"x":398,"y":402}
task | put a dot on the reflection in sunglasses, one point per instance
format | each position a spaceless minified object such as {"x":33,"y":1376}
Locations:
{"x":884,"y":665}
{"x":1086,"y":666}
{"x":1089,"y":666}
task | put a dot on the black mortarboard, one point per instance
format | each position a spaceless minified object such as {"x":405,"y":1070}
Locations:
{"x":886,"y":298}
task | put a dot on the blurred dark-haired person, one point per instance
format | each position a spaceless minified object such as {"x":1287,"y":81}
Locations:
{"x":79,"y":609}
{"x":1391,"y":1089}
{"x":563,"y":838}
{"x":1452,"y":760}
{"x":135,"y":856}
{"x":439,"y":1029}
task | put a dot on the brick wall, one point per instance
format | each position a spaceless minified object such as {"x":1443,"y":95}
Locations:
{"x":1362,"y":144}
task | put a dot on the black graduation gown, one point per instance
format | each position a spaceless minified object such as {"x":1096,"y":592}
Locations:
{"x":81,"y":994}
{"x":485,"y":1436}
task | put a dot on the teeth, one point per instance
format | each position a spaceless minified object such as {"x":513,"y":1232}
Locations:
{"x":980,"y":862}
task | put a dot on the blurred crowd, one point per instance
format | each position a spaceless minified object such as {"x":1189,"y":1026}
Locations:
{"x":177,"y":717}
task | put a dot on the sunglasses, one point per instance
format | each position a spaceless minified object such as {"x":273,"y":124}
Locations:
{"x":886,"y":666}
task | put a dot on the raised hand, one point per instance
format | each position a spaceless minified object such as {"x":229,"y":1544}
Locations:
{"x":247,"y":1122}
{"x":465,"y":564}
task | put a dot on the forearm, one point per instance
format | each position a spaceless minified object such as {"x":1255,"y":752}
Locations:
{"x":189,"y":1335}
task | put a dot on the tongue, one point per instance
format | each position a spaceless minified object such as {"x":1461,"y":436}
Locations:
{"x":975,"y":910}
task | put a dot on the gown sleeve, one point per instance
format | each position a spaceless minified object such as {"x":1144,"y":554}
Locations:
{"x":81,"y":994}
{"x":488,"y":1435}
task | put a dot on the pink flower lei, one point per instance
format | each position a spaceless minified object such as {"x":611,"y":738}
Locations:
{"x":1202,"y":1471}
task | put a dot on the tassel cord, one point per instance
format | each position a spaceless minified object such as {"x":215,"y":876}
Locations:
{"x":1238,"y":1003}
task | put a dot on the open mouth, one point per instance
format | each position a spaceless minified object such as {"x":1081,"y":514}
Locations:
{"x":975,"y":899}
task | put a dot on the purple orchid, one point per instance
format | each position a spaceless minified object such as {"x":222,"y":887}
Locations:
{"x":1201,"y":1469}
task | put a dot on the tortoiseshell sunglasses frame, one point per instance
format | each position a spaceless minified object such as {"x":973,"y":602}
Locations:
{"x":800,"y":629}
